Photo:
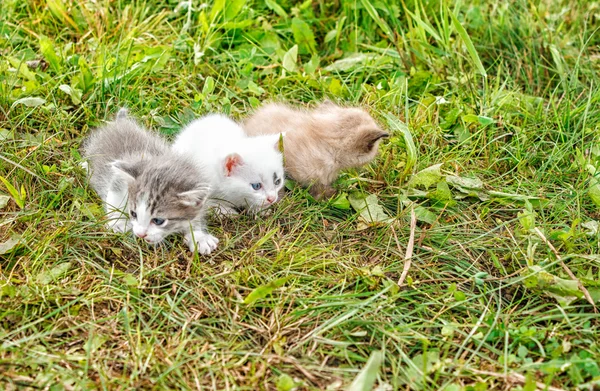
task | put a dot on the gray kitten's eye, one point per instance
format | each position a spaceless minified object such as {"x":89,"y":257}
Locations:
{"x":158,"y":221}
{"x":256,"y":186}
{"x":133,"y":214}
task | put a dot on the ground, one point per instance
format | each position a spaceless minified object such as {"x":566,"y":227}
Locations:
{"x":493,"y":110}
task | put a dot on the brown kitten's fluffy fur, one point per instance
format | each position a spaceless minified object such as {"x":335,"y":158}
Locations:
{"x":319,"y":143}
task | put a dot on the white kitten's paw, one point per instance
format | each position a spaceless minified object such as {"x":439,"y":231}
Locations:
{"x":206,"y":243}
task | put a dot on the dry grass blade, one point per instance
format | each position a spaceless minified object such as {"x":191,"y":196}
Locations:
{"x":409,"y":247}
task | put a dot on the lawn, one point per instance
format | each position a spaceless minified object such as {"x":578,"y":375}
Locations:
{"x":474,"y":266}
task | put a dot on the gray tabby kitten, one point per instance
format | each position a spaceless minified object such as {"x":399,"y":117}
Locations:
{"x":162,"y":192}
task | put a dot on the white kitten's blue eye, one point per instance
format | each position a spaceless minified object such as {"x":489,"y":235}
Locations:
{"x":133,"y":214}
{"x":158,"y":221}
{"x":256,"y":186}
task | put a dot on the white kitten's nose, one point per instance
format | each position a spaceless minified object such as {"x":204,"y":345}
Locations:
{"x":141,"y":234}
{"x":271,"y":199}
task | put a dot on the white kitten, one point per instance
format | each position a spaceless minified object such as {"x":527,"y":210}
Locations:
{"x":247,"y":172}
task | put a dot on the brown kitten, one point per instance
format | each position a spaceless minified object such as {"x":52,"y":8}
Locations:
{"x":319,"y":143}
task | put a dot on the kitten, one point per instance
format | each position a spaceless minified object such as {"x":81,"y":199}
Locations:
{"x":133,"y":169}
{"x":319,"y":143}
{"x":246,"y":172}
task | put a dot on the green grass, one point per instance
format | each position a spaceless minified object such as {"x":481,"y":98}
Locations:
{"x":84,"y":308}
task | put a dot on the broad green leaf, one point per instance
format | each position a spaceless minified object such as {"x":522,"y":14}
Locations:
{"x":29,"y":101}
{"x":425,"y":215}
{"x":233,"y":8}
{"x":22,"y":69}
{"x":4,"y":201}
{"x":87,"y":77}
{"x":51,"y":275}
{"x":290,"y":59}
{"x":594,"y":193}
{"x":464,"y":184}
{"x":335,"y":87}
{"x":420,"y":366}
{"x":273,"y":6}
{"x":74,"y":93}
{"x":10,"y":244}
{"x":216,"y":9}
{"x":285,"y":383}
{"x":469,"y":44}
{"x":341,"y":202}
{"x":303,"y":36}
{"x":264,"y":290}
{"x":209,"y":86}
{"x":47,"y":49}
{"x":442,"y":193}
{"x":564,"y":291}
{"x":483,"y":120}
{"x":427,"y":177}
{"x":369,"y":208}
{"x":527,"y":218}
{"x":365,"y":380}
{"x":411,"y":150}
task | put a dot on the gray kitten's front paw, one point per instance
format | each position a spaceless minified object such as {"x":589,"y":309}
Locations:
{"x":118,"y":225}
{"x":205,"y":243}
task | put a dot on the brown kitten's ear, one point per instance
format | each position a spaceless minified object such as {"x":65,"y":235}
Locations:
{"x":127,"y":170}
{"x":370,"y":139}
{"x":231,"y":162}
{"x":194,"y":198}
{"x":327,"y":104}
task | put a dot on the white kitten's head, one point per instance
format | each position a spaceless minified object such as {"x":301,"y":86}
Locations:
{"x":254,"y":174}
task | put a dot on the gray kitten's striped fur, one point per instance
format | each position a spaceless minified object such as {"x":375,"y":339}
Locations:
{"x":163,"y":192}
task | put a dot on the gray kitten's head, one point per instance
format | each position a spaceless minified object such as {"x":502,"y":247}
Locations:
{"x":165,"y":194}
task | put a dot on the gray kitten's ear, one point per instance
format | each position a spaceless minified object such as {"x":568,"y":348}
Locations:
{"x":195,"y":198}
{"x":123,"y":113}
{"x":127,"y":170}
{"x":231,"y":162}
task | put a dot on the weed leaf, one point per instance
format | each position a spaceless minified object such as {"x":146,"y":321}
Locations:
{"x":290,"y":59}
{"x":29,"y":101}
{"x":369,"y":208}
{"x":264,"y":290}
{"x":51,"y":275}
{"x":426,"y":177}
{"x":273,"y":6}
{"x":411,"y":150}
{"x":9,"y":245}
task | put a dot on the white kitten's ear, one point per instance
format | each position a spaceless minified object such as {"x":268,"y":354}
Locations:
{"x":127,"y":170}
{"x":194,"y":198}
{"x":231,"y":162}
{"x":279,"y":142}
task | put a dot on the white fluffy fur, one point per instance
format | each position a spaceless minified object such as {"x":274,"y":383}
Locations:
{"x":235,"y":162}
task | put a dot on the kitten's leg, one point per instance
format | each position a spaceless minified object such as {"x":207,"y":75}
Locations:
{"x":116,"y":200}
{"x":199,"y":239}
{"x":321,"y":191}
